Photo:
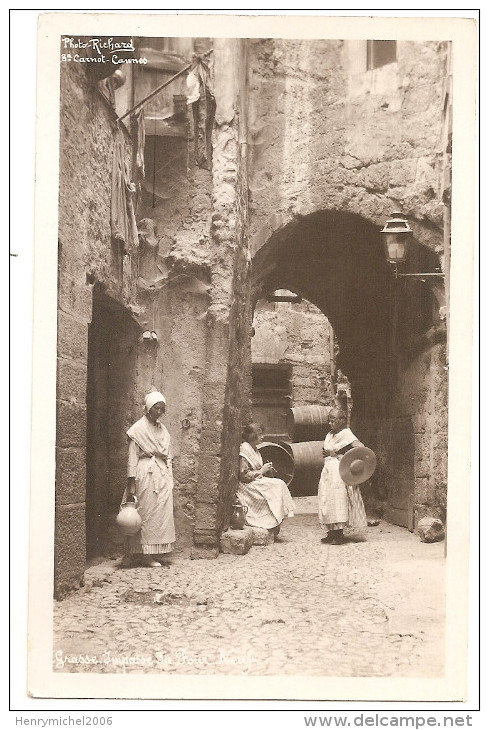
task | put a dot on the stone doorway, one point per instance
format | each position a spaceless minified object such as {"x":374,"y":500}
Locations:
{"x":112,"y":353}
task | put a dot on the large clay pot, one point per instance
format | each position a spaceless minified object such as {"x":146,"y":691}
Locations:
{"x":128,"y":520}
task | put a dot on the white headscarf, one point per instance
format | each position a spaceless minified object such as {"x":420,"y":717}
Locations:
{"x":153,"y":398}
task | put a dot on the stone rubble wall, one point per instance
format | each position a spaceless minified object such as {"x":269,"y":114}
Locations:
{"x":326,"y":134}
{"x":228,"y":316}
{"x":84,"y":257}
{"x":301,"y":336}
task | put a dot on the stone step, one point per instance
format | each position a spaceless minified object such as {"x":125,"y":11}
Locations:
{"x":237,"y":542}
{"x":262,"y":536}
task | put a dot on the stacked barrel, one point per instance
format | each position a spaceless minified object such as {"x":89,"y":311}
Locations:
{"x":300,"y":462}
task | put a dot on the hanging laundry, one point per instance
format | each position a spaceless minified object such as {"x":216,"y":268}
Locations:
{"x":122,"y":213}
{"x":201,"y":98}
{"x":118,"y":216}
{"x":132,"y":240}
{"x":193,"y":87}
{"x":139,"y":137}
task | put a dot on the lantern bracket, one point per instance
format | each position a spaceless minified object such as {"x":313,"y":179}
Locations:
{"x":397,"y":236}
{"x":421,"y":276}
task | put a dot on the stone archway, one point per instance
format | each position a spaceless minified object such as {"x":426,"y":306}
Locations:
{"x":391,"y":347}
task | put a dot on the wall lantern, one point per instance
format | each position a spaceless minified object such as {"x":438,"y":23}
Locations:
{"x":397,"y":236}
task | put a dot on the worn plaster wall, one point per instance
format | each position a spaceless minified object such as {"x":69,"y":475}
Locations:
{"x":177,"y":308}
{"x":176,"y":365}
{"x":85,"y":257}
{"x":199,"y":307}
{"x":177,"y":196}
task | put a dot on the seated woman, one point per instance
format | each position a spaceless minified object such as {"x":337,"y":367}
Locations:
{"x":268,"y":500}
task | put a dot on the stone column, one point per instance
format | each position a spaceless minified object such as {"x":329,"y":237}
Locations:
{"x":227,"y":320}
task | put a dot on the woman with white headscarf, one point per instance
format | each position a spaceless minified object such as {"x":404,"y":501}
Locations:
{"x":150,"y":480}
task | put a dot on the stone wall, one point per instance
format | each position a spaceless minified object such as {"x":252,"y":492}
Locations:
{"x":334,"y":150}
{"x":423,"y":400}
{"x":298,"y":335}
{"x":85,"y":257}
{"x":228,"y":315}
{"x":326,"y":133}
{"x":192,"y":291}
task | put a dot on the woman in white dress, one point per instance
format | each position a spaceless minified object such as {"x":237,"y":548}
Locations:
{"x":340,"y":505}
{"x":268,"y":499}
{"x":150,"y":480}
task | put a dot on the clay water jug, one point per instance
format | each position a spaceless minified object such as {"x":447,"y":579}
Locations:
{"x":238,"y":517}
{"x":128,"y":520}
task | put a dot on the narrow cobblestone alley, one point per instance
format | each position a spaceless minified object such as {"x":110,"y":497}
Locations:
{"x":372,"y":607}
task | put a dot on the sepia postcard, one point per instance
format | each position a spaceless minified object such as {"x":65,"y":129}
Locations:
{"x":251,"y":422}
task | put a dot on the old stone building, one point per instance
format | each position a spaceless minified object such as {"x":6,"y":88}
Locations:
{"x":278,"y":175}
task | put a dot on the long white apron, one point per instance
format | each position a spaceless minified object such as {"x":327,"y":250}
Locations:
{"x":339,"y":504}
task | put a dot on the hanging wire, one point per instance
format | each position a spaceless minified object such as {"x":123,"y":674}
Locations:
{"x":187,"y":177}
{"x":154,"y":150}
{"x":157,"y":90}
{"x":188,"y":147}
{"x":196,"y":58}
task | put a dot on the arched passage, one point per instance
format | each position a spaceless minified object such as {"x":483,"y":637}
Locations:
{"x":383,"y":326}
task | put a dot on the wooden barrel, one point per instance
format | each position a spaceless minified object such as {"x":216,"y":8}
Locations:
{"x":281,"y":457}
{"x":308,"y":463}
{"x":308,"y":423}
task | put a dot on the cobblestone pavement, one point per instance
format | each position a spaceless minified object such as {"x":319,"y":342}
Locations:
{"x":373,"y":607}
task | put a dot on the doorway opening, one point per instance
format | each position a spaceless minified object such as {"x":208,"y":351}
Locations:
{"x":112,"y":353}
